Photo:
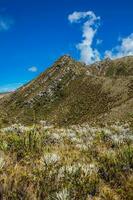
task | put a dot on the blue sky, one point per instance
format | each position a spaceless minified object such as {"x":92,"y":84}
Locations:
{"x":34,"y":33}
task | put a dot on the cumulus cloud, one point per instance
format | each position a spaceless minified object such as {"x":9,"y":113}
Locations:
{"x":125,"y":48}
{"x":33,"y":69}
{"x":5,"y":23}
{"x":88,"y":54}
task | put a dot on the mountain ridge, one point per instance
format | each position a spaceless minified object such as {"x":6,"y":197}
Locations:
{"x":71,"y":92}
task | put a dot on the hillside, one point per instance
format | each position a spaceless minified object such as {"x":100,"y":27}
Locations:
{"x":70,"y":92}
{"x":4,"y":94}
{"x":68,"y":134}
{"x":112,"y":68}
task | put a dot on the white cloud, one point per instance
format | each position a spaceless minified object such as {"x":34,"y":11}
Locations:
{"x":88,"y":54}
{"x":125,"y":48}
{"x":33,"y":69}
{"x":77,"y":16}
{"x":98,"y":42}
{"x":5,"y":23}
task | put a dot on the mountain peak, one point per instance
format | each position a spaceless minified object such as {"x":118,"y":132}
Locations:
{"x":67,"y":64}
{"x":63,"y":60}
{"x":65,"y":57}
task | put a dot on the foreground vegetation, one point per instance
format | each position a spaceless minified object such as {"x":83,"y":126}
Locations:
{"x":75,"y":163}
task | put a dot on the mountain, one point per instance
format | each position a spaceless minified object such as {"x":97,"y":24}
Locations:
{"x":71,"y":92}
{"x":4,"y":94}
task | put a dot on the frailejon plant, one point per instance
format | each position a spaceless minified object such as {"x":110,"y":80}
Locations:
{"x":76,"y":162}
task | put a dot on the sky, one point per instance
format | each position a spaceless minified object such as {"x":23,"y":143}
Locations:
{"x":35,"y":33}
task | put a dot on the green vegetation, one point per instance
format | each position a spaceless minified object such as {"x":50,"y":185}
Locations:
{"x":71,"y":93}
{"x":78,"y":162}
{"x":69,"y":160}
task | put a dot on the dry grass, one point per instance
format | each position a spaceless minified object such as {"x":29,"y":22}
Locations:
{"x":79,"y":162}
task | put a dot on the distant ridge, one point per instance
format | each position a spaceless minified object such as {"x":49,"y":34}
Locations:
{"x":2,"y":94}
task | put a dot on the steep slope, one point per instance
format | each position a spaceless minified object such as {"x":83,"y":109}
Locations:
{"x":70,"y":92}
{"x":41,"y":95}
